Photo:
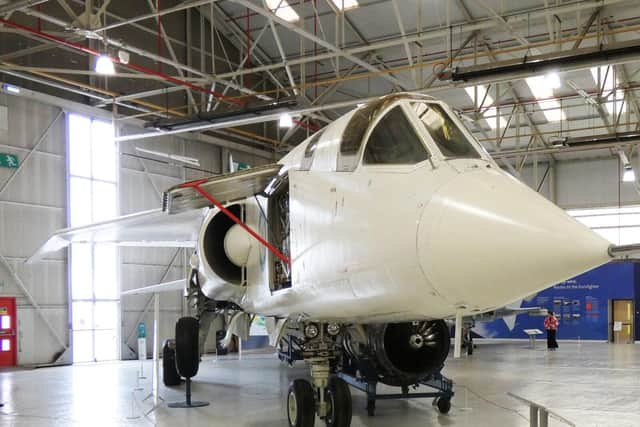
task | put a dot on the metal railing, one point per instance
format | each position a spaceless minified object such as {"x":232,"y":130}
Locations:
{"x":539,"y":414}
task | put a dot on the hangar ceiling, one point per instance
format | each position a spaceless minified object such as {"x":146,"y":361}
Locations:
{"x":550,"y":77}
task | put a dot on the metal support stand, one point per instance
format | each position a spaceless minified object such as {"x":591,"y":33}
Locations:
{"x":539,"y":415}
{"x":155,"y":374}
{"x":457,"y":344}
{"x":442,"y":386}
{"x":188,"y":403}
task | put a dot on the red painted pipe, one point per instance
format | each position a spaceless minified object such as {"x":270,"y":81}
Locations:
{"x":139,"y":68}
{"x":196,"y":186}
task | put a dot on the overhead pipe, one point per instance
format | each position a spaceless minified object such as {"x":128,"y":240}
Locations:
{"x":570,"y":145}
{"x":616,"y":54}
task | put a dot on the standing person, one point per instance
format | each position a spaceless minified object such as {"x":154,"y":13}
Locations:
{"x":551,"y":325}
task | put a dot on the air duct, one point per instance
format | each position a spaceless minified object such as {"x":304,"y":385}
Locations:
{"x":613,"y":54}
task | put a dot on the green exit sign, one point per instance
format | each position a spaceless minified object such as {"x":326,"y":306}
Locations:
{"x":240,"y":166}
{"x":9,"y":160}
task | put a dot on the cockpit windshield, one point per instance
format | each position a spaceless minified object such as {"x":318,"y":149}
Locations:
{"x":449,"y":138}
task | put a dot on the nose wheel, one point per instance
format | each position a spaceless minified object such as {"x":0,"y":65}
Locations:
{"x":303,"y":403}
{"x":338,"y":398}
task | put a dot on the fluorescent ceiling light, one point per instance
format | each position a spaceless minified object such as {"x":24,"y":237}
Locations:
{"x":285,"y":121}
{"x":489,"y":113}
{"x":608,"y":83}
{"x":628,"y":175}
{"x":11,"y":88}
{"x":542,"y":87}
{"x":104,"y":65}
{"x":345,"y":4}
{"x":282,"y":9}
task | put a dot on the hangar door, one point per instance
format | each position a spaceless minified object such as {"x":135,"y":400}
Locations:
{"x":622,"y":321}
{"x":8,"y":350}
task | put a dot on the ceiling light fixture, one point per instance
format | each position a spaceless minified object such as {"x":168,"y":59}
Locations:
{"x":628,"y":175}
{"x":345,"y":4}
{"x":285,"y":121}
{"x":104,"y":65}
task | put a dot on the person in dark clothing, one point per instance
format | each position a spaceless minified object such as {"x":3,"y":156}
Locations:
{"x":551,"y":325}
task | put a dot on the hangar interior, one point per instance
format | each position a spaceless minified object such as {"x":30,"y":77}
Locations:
{"x":195,"y":88}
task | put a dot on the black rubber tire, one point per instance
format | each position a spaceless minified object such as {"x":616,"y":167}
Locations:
{"x":444,"y":405}
{"x":301,"y":404}
{"x":170,"y":376}
{"x":338,"y":397}
{"x":187,"y":352}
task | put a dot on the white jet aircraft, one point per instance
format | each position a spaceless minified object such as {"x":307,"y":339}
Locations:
{"x":358,"y":243}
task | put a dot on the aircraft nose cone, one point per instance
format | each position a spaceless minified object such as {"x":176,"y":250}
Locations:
{"x":485,"y":240}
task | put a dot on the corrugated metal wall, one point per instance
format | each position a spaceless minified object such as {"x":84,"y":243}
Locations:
{"x":31,"y":207}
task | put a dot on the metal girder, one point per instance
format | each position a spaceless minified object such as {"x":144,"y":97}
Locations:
{"x":407,"y":48}
{"x":172,"y":53}
{"x":287,"y":68}
{"x":17,"y":5}
{"x":122,"y":45}
{"x":67,"y":9}
{"x":430,"y":33}
{"x":292,"y":27}
{"x":505,"y":24}
{"x":586,"y":28}
{"x":431,"y":79}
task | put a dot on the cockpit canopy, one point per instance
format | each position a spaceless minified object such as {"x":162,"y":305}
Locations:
{"x":398,"y":129}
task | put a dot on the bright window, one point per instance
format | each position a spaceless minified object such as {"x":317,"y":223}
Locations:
{"x":93,"y":196}
{"x":345,"y":4}
{"x":484,"y":100}
{"x":542,"y":88}
{"x":282,"y":9}
{"x":618,"y":225}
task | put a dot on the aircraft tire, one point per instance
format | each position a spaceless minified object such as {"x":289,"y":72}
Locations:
{"x":187,"y":352}
{"x":338,"y":396}
{"x":444,"y":405}
{"x":170,"y":376}
{"x":301,"y":404}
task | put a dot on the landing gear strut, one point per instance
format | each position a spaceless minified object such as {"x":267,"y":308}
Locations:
{"x":327,"y":395}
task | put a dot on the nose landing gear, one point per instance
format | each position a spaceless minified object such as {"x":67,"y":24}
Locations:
{"x":303,"y":402}
{"x":326,"y":395}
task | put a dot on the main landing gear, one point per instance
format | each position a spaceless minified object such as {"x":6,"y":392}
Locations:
{"x":327,"y":395}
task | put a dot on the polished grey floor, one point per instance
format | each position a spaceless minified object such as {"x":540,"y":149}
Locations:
{"x":592,"y":384}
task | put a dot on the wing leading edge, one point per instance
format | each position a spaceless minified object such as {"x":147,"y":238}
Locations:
{"x":149,"y":228}
{"x":176,"y":224}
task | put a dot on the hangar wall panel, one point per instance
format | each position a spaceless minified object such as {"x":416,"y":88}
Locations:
{"x":585,"y":183}
{"x":32,"y":207}
{"x":581,"y":305}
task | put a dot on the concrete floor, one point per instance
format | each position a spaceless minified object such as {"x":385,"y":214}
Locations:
{"x":592,"y":384}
